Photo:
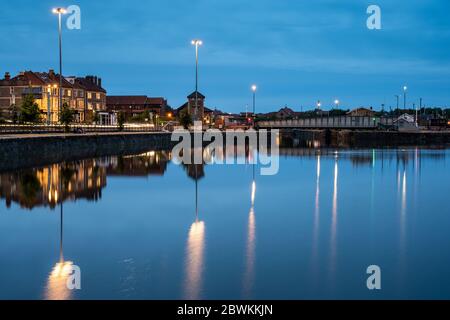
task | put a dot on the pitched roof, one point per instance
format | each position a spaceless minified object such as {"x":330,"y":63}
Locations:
{"x":125,"y":100}
{"x":25,"y":78}
{"x":184,"y":105}
{"x":133,"y":100}
{"x":405,"y":117}
{"x":53,"y":78}
{"x":199,"y":95}
{"x":89,"y":84}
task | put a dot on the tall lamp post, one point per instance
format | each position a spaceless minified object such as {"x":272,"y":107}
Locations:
{"x":336,"y":103}
{"x":405,"y":89}
{"x":254,"y":88}
{"x":60,"y":12}
{"x":196,"y":43}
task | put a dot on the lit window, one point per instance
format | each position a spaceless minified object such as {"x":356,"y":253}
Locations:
{"x":69,"y":93}
{"x":98,"y":96}
{"x":89,"y":95}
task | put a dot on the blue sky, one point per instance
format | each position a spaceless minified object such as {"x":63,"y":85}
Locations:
{"x":297,"y":51}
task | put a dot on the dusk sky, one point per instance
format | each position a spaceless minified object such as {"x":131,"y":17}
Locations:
{"x":297,"y":52}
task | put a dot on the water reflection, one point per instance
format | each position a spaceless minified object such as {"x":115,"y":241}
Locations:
{"x":195,"y":243}
{"x":251,"y":242}
{"x":334,"y":220}
{"x":56,"y":288}
{"x":194,"y":260}
{"x":70,"y":181}
{"x":321,"y":231}
{"x":315,"y":241}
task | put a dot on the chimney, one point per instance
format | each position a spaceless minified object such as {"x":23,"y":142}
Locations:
{"x":95,"y":80}
{"x":7,"y":76}
{"x":51,"y":72}
{"x":100,"y":82}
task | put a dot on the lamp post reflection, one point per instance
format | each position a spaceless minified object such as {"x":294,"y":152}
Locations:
{"x":194,"y":252}
{"x":251,"y":242}
{"x":194,"y":260}
{"x":334,"y":213}
{"x":316,"y":218}
{"x":56,"y":288}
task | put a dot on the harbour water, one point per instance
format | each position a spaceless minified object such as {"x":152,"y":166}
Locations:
{"x":142,"y":227}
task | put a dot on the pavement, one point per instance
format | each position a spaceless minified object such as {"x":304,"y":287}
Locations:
{"x":65,"y":135}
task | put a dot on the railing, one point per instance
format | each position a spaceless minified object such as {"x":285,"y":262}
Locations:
{"x":73,"y":128}
{"x":329,"y":122}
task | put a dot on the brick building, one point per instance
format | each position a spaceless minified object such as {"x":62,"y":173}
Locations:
{"x":84,"y":95}
{"x":135,"y":106}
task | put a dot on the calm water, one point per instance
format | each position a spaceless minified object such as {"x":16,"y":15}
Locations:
{"x":310,"y":231}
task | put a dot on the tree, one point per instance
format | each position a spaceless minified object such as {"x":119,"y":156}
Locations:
{"x":96,"y":118}
{"x":185,"y":119}
{"x":29,"y":110}
{"x":120,"y":120}
{"x":66,"y":117}
{"x":14,"y":113}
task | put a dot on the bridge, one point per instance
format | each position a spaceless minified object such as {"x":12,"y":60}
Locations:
{"x":326,"y":122}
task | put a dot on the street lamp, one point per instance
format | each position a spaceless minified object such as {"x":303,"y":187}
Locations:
{"x":336,"y":103}
{"x":196,"y":43}
{"x":398,"y":100}
{"x":405,"y":88}
{"x":319,"y":104}
{"x":59,"y":12}
{"x":254,"y":88}
{"x":49,"y":92}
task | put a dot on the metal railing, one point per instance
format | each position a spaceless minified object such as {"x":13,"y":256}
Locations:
{"x":329,"y":122}
{"x":73,"y":128}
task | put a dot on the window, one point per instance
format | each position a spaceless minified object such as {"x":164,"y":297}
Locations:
{"x":11,"y":90}
{"x":69,"y":93}
{"x":89,"y":95}
{"x":81,"y":93}
{"x":98,"y":96}
{"x":89,"y":105}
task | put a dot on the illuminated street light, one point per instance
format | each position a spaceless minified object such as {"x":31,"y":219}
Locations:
{"x":196,"y":43}
{"x":59,"y":12}
{"x":336,"y":103}
{"x":254,"y":88}
{"x":405,"y":89}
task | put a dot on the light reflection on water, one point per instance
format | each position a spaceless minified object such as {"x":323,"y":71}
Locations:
{"x":322,"y":220}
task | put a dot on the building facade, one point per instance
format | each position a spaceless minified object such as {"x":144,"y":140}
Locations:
{"x":195,"y":107}
{"x":84,"y":95}
{"x":136,"y":106}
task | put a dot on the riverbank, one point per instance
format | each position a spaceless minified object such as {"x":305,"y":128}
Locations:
{"x":26,"y":150}
{"x":362,"y":138}
{"x":31,"y":150}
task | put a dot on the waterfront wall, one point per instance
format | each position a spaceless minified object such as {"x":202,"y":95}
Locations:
{"x":363,"y":139}
{"x":29,"y":151}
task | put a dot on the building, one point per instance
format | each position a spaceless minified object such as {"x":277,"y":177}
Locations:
{"x":406,"y":122}
{"x":197,"y":110}
{"x":136,"y":106}
{"x":84,"y":95}
{"x":95,"y":99}
{"x":361,"y":112}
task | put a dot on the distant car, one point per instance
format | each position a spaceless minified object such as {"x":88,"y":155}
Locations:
{"x":78,"y":130}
